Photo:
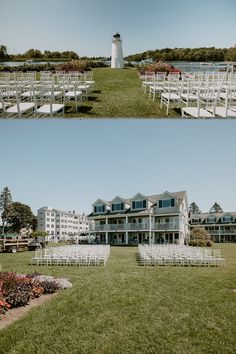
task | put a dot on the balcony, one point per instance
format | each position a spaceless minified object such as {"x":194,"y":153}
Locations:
{"x":135,"y":227}
{"x":222,"y":232}
{"x":166,"y":227}
{"x":166,"y":211}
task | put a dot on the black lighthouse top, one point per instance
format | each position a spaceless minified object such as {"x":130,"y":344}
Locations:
{"x":116,"y":35}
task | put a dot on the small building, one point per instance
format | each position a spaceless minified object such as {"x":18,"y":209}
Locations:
{"x":152,"y":219}
{"x":61,"y":225}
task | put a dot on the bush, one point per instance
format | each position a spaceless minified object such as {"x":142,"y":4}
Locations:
{"x":75,"y":65}
{"x":4,"y":305}
{"x":200,"y":237}
{"x":209,"y":243}
{"x":19,"y":295}
{"x":158,"y":67}
{"x":18,"y":289}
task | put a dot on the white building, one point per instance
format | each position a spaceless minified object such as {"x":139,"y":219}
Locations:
{"x":161,"y":218}
{"x":117,"y":60}
{"x":61,"y":225}
{"x":220,"y":225}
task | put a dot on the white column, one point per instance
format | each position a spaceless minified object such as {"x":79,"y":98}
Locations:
{"x":106,"y":238}
{"x":150,"y":229}
{"x":126,"y":232}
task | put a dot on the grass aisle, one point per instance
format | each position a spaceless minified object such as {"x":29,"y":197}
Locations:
{"x":125,"y":308}
{"x":118,"y":93}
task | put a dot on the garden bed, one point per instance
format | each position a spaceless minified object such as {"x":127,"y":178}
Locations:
{"x":20,"y":292}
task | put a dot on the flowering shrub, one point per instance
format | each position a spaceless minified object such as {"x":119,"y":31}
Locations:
{"x":158,"y":67}
{"x":18,"y":289}
{"x":75,"y":65}
{"x":62,"y":283}
{"x":4,"y":305}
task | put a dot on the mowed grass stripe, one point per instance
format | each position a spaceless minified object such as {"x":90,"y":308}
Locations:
{"x":118,"y":93}
{"x":126,"y":308}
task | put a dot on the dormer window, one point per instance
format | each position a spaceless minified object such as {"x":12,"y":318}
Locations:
{"x":139,"y":204}
{"x":196,"y":221}
{"x":167,"y":203}
{"x":99,"y":209}
{"x":117,"y":207}
{"x":227,"y":218}
{"x":211,"y":219}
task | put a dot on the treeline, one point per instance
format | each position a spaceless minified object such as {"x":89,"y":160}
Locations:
{"x":186,"y":54}
{"x":37,"y":54}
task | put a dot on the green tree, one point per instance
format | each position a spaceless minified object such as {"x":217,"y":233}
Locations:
{"x":70,"y":55}
{"x":3,"y":52}
{"x":39,"y":234}
{"x":5,"y":202}
{"x":216,"y":208}
{"x":194,"y":209}
{"x":231,"y":54}
{"x":33,"y":53}
{"x":19,"y":216}
{"x":200,"y":237}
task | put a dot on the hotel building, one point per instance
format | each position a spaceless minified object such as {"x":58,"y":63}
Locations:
{"x":221,"y":226}
{"x":161,"y":218}
{"x":61,"y":225}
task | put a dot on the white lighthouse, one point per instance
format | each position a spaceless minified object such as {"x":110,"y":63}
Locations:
{"x":117,"y":60}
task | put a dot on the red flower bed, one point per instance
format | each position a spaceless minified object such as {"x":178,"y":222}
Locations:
{"x":18,"y":289}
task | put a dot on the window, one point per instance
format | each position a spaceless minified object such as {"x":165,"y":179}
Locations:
{"x":227,"y":218}
{"x":99,"y":209}
{"x":166,"y":203}
{"x":211,"y":219}
{"x":117,"y":206}
{"x":196,"y":221}
{"x":139,"y":204}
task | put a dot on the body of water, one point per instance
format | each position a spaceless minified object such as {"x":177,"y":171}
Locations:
{"x":200,"y":66}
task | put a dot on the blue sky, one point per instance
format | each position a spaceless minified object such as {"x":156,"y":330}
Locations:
{"x":69,"y":164}
{"x":86,"y":27}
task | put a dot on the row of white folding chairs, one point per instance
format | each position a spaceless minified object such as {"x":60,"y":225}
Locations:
{"x":77,"y":260}
{"x":157,"y":86}
{"x":65,"y":92}
{"x":10,"y":90}
{"x":36,"y":108}
{"x":201,"y":76}
{"x":208,"y":96}
{"x":184,"y":256}
{"x":150,"y":78}
{"x":214,"y":105}
{"x":180,"y":260}
{"x":14,"y":78}
{"x":45,"y":101}
{"x":72,"y":255}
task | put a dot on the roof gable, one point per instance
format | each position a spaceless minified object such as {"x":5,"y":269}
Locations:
{"x":100,"y":202}
{"x":167,"y":195}
{"x":139,"y":196}
{"x":118,"y":199}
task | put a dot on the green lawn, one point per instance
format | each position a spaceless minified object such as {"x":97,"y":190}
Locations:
{"x":125,"y":308}
{"x":117,"y":94}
